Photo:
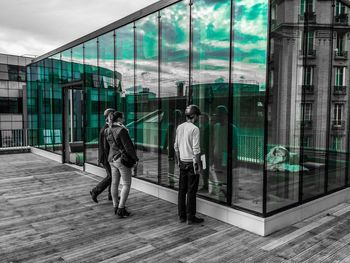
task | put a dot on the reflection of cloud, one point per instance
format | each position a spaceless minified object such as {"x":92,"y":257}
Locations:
{"x":249,"y":47}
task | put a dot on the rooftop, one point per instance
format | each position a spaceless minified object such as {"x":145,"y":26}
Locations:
{"x":47,"y":215}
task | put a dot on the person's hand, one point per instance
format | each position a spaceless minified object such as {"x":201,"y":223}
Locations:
{"x":134,"y":168}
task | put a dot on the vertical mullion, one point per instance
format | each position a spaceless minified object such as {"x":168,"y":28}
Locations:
{"x":159,"y":99}
{"x":98,"y":84}
{"x":53,"y":107}
{"x":135,"y":95}
{"x":189,"y":95}
{"x":84,"y":107}
{"x":114,"y":70}
{"x":268,"y":48}
{"x":230,"y":115}
{"x":329,"y":101}
{"x":62,"y":133}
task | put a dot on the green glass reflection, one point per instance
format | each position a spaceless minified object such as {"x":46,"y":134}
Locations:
{"x":124,"y":65}
{"x":106,"y":73}
{"x":250,"y":28}
{"x":66,"y":60}
{"x":92,"y":100}
{"x":174,"y":71}
{"x":146,"y":93}
{"x":210,"y":78}
{"x":78,"y":62}
{"x":57,"y":103}
{"x":47,"y":105}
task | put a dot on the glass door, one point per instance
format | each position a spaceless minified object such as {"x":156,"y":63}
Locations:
{"x":73,"y":125}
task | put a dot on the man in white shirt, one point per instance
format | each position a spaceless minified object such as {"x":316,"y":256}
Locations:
{"x":187,"y":151}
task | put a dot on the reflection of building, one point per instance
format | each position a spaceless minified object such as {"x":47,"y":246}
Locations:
{"x":308,"y":94}
{"x":270,"y":147}
{"x":12,"y":88}
{"x":308,"y":63}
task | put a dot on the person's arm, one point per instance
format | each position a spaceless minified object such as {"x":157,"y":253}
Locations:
{"x":197,"y":149}
{"x":176,"y":148}
{"x":127,"y":144}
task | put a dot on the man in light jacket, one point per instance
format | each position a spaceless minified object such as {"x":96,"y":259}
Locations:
{"x":187,"y":148}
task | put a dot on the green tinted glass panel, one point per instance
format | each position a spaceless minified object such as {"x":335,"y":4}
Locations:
{"x":210,"y":83}
{"x":92,"y":104}
{"x":146,"y":97}
{"x":106,"y":73}
{"x":174,"y":70}
{"x":249,"y":45}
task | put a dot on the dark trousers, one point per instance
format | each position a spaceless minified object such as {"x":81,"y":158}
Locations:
{"x":106,"y":182}
{"x":188,"y":187}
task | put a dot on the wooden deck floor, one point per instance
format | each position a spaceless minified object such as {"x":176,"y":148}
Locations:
{"x":46,"y":215}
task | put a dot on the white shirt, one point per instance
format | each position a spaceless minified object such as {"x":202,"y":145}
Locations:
{"x":187,"y":141}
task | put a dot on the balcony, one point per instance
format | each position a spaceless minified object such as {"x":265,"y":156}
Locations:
{"x":340,"y":55}
{"x":306,"y":124}
{"x":307,"y":89}
{"x":339,"y":90}
{"x":341,"y":19}
{"x":338,"y":125}
{"x":308,"y":17}
{"x":311,"y":53}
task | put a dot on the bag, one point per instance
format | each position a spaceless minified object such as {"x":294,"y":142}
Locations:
{"x":125,"y":160}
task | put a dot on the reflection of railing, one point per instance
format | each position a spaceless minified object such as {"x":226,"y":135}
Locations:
{"x":341,"y":19}
{"x":340,"y":54}
{"x":251,"y":148}
{"x":309,"y":17}
{"x":12,"y":138}
{"x":310,"y":53}
{"x":308,"y":89}
{"x":338,"y":125}
{"x":306,"y":124}
{"x":339,"y":90}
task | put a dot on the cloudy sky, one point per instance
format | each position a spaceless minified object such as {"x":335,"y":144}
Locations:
{"x":34,"y":27}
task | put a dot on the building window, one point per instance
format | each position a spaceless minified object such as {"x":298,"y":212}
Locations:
{"x":337,"y":142}
{"x":340,"y":8}
{"x":340,"y":44}
{"x":338,"y":113}
{"x":11,"y":105}
{"x":306,"y":141}
{"x":308,"y":43}
{"x":308,"y":73}
{"x":306,"y":111}
{"x":306,"y":6}
{"x":339,"y":76}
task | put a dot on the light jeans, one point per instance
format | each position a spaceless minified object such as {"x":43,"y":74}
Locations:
{"x":122,"y":174}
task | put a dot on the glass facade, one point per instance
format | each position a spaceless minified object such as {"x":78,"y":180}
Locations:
{"x":271,"y":85}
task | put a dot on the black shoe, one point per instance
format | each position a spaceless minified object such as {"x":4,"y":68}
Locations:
{"x":122,"y":213}
{"x":182,"y":220}
{"x":195,"y":220}
{"x":93,"y":196}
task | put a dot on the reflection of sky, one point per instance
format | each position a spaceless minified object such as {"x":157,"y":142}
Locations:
{"x":211,"y":44}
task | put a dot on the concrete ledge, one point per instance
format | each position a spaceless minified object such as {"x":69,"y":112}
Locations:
{"x":52,"y":156}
